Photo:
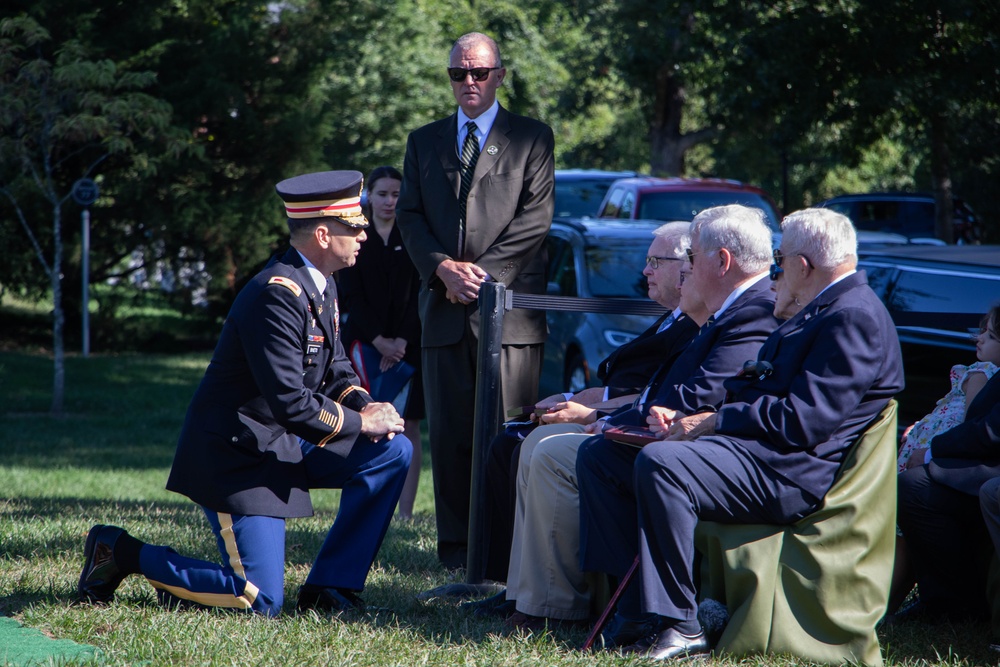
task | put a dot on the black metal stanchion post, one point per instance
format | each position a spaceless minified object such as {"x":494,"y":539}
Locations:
{"x":492,"y":306}
{"x":491,"y":312}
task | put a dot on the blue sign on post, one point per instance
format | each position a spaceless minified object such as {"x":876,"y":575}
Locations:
{"x":85,"y":192}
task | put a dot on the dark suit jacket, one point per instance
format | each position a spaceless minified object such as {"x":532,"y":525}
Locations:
{"x":837,"y":364}
{"x":279,"y":373}
{"x":695,"y":379}
{"x":628,"y":369}
{"x":509,"y":212}
{"x":967,"y":455}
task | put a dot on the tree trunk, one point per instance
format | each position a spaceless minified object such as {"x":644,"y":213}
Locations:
{"x":944,"y":208}
{"x":58,"y":317}
{"x":667,"y":144}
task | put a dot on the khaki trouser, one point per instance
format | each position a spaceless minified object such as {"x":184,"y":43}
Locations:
{"x":544,"y":575}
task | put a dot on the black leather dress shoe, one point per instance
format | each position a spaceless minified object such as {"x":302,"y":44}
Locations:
{"x":625,"y":632}
{"x":327,"y":599}
{"x":495,"y":605}
{"x":670,"y":644}
{"x":100,"y":576}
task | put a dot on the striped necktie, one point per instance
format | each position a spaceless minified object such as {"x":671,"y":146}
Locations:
{"x":470,"y":155}
{"x":666,"y":323}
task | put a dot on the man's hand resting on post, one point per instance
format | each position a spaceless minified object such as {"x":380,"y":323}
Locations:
{"x":461,"y":280}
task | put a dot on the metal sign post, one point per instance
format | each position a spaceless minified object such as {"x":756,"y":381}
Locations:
{"x":85,"y":193}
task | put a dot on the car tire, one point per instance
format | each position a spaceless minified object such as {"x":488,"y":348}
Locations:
{"x":577,"y":374}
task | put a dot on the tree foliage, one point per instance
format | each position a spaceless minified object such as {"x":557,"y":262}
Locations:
{"x":808,"y":99}
{"x":63,"y":115}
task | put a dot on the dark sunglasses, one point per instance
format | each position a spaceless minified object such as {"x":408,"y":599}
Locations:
{"x":458,"y":74}
{"x":779,"y":258}
{"x":776,"y":271}
{"x":690,"y":255}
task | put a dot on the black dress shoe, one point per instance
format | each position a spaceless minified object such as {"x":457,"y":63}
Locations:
{"x":328,"y":599}
{"x":625,"y":632}
{"x":504,"y":610}
{"x":670,"y":644}
{"x":908,"y":613}
{"x":100,"y":576}
{"x":495,"y":605}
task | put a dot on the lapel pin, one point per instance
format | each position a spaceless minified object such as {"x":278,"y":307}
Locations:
{"x":492,"y":150}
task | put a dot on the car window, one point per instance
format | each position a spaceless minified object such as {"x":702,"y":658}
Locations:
{"x":628,"y":203}
{"x":844,"y":208}
{"x":681,"y":205}
{"x":941,"y":299}
{"x":562,"y":269}
{"x":916,"y":218}
{"x":614,"y":203}
{"x":879,"y":216}
{"x":615,"y":268}
{"x":579,"y":198}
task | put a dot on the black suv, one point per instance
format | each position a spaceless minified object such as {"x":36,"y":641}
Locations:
{"x":907,"y":213}
{"x":936,"y":296}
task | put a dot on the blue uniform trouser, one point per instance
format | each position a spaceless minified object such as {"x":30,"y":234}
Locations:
{"x":252,"y":573}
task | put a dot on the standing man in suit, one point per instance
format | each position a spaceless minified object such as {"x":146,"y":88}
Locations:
{"x":278,"y":381}
{"x":771,"y":452}
{"x":476,"y":205}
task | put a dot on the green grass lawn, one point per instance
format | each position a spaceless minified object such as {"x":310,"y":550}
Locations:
{"x":107,"y":460}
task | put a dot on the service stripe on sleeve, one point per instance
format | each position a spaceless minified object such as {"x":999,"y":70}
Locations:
{"x":349,"y":390}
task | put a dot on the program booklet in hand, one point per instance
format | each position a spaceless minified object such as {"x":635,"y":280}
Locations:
{"x":635,"y":436}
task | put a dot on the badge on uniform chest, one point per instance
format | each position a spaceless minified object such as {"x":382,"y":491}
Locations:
{"x":314,"y":343}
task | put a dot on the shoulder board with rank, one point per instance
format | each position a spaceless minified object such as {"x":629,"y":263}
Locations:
{"x":286,"y":282}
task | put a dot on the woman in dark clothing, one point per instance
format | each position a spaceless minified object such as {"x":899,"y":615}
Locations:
{"x":381,"y":292}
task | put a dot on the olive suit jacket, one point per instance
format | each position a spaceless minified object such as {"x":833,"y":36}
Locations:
{"x":509,"y":212}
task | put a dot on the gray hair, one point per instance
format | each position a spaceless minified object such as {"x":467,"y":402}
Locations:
{"x":826,"y":237}
{"x":676,"y":234}
{"x":474,"y":39}
{"x":741,"y":230}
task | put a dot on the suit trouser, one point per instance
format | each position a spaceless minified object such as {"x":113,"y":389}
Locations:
{"x":252,"y":573}
{"x":649,"y":501}
{"x":946,"y":541}
{"x":501,"y":490}
{"x":989,"y":503}
{"x":545,"y":576}
{"x":449,"y":391}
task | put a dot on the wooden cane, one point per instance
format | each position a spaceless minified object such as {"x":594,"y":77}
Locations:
{"x":610,"y":608}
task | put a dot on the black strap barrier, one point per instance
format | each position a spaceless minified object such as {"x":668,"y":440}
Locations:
{"x":488,"y":408}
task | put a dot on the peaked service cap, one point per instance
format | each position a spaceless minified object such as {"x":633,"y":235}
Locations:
{"x":324,"y":194}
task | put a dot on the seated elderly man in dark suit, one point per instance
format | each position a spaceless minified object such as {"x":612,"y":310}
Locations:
{"x":737,"y":309}
{"x":939,"y":512}
{"x":769,"y":454}
{"x":623,"y":374}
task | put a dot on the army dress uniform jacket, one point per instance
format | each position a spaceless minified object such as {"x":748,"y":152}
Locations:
{"x":279,"y":373}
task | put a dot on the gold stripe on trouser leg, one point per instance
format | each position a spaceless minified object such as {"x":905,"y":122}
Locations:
{"x":250,"y":591}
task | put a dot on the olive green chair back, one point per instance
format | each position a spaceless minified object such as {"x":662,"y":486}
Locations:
{"x":814,"y":589}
